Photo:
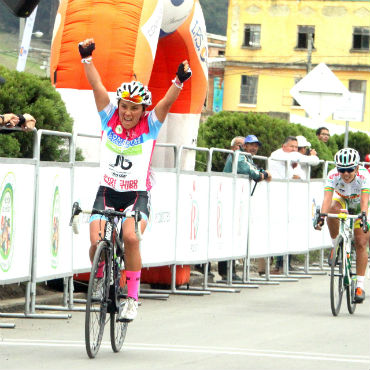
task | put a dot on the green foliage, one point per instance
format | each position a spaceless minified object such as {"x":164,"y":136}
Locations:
{"x":26,"y":93}
{"x":215,"y":15}
{"x":221,"y":128}
{"x":358,"y":140}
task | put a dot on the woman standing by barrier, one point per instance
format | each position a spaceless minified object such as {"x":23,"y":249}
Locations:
{"x":129,"y":135}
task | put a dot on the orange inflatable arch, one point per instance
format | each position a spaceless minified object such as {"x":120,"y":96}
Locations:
{"x":129,"y":44}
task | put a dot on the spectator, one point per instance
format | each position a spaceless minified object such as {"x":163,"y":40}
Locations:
{"x":304,"y":147}
{"x":246,"y":166}
{"x":323,"y":134}
{"x":277,"y":166}
{"x":288,"y":152}
{"x":236,"y":144}
{"x":9,"y":120}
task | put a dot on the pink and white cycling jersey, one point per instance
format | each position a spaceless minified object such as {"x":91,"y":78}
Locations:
{"x":351,"y":191}
{"x":126,"y":155}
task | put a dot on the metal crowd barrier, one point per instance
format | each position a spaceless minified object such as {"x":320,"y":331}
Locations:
{"x":196,"y":218}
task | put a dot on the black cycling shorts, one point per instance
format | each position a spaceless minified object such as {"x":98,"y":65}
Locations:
{"x":119,"y":201}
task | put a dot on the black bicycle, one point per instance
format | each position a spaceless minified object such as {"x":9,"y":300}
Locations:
{"x":105,"y":293}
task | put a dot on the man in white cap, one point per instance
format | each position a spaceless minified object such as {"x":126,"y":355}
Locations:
{"x":304,"y":147}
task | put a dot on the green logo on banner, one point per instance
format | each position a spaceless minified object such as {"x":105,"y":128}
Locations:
{"x":55,"y":215}
{"x":7,"y":221}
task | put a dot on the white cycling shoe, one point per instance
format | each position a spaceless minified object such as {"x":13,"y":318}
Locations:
{"x":128,"y":310}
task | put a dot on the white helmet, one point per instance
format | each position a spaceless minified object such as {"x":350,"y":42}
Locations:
{"x":134,"y":92}
{"x":346,"y":158}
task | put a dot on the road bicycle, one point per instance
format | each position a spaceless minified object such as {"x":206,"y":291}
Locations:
{"x":105,"y":291}
{"x":342,"y":274}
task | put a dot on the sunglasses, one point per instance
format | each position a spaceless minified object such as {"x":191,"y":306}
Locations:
{"x":137,"y":99}
{"x":349,"y":170}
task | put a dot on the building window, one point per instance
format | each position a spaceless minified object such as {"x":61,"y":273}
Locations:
{"x":248,"y":90}
{"x":252,"y":35}
{"x":303,"y":36}
{"x":357,"y":86}
{"x":361,"y":38}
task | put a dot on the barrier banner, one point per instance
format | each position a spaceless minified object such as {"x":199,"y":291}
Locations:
{"x":16,"y":216}
{"x":54,"y":237}
{"x":86,"y":184}
{"x":298,"y":216}
{"x":259,"y":226}
{"x":221,"y":217}
{"x":240,"y":219}
{"x":158,"y":245}
{"x":318,"y":239}
{"x":192,"y":219}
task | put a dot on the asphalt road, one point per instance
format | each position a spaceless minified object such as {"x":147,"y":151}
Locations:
{"x":288,"y":326}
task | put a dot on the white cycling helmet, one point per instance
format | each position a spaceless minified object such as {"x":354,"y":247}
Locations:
{"x":134,"y":92}
{"x":346,"y":158}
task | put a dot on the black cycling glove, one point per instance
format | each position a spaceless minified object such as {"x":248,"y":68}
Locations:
{"x":181,"y":74}
{"x":86,"y":52}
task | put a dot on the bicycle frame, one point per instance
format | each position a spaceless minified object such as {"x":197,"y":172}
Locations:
{"x":346,"y":231}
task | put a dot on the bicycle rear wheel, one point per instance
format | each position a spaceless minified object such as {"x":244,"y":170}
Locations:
{"x":336,"y":281}
{"x":97,"y":299}
{"x":118,"y":331}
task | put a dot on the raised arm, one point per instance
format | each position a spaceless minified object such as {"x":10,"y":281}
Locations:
{"x":164,"y":105}
{"x":101,"y":96}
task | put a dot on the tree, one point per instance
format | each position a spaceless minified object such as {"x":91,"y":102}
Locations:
{"x":27,"y":93}
{"x":221,"y":128}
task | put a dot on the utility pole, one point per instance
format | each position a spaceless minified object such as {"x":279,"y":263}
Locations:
{"x":309,"y":52}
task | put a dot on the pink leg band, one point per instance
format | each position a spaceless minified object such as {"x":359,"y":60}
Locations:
{"x":133,"y":282}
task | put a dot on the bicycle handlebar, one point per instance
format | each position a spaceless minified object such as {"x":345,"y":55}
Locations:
{"x":344,"y":216}
{"x":110,"y":214}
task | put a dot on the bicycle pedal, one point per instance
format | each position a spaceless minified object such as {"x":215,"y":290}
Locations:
{"x":123,"y":320}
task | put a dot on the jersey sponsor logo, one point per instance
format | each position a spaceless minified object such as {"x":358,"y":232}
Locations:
{"x":127,"y":148}
{"x":117,"y":140}
{"x":128,"y":184}
{"x":122,"y":162}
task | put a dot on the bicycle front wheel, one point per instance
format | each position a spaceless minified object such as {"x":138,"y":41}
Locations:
{"x":97,"y":299}
{"x":118,"y":329}
{"x":336,"y":281}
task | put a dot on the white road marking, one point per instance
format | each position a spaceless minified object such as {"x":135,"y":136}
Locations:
{"x":249,"y":352}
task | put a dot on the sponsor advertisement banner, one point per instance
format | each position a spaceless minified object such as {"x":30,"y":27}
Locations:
{"x":298,"y":217}
{"x":16,"y":217}
{"x":192,"y":230}
{"x":221,"y":216}
{"x":54,"y":237}
{"x":86,"y":184}
{"x":240,"y":220}
{"x":260,"y":224}
{"x":158,"y":245}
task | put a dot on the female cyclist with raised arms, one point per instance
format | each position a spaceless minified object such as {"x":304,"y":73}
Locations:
{"x":351,"y":184}
{"x":128,"y":138}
